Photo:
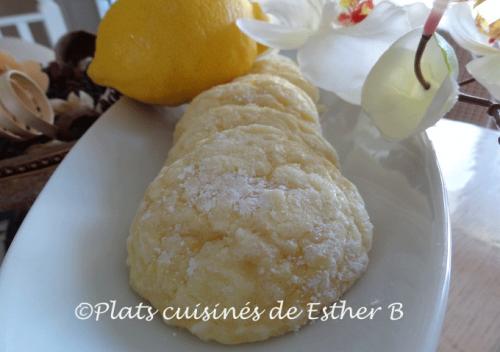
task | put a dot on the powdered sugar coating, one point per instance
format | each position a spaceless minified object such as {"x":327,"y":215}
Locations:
{"x":284,"y":67}
{"x":248,"y":216}
{"x":229,"y":116}
{"x":259,"y":89}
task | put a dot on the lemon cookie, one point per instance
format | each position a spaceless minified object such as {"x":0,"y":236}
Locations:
{"x":230,"y":116}
{"x":248,"y":216}
{"x":261,"y":90}
{"x":285,"y":68}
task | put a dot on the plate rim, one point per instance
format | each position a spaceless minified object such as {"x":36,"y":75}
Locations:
{"x":447,"y":246}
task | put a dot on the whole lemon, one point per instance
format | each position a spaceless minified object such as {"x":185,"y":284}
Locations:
{"x":168,"y":51}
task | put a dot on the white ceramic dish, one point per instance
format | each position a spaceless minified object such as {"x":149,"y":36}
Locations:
{"x":71,"y":247}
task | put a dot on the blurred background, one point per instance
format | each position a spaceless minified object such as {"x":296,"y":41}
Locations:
{"x":35,"y":20}
{"x":42,"y":22}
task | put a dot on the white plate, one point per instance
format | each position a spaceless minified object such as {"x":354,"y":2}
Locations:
{"x":71,"y":247}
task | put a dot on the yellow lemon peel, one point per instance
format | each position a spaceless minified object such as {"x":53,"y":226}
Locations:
{"x":170,"y":51}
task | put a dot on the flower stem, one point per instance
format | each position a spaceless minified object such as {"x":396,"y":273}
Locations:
{"x":472,"y":99}
{"x":467,"y":81}
{"x":437,"y":12}
{"x":418,"y":59}
{"x":494,"y":111}
{"x":493,"y":107}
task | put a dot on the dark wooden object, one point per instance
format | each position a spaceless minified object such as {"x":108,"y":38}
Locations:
{"x":21,"y":180}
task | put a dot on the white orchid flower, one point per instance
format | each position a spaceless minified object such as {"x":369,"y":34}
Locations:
{"x":486,"y":70}
{"x":464,"y":30}
{"x":393,"y":97}
{"x":334,"y":56}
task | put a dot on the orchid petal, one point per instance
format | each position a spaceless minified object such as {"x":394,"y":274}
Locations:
{"x":295,"y":13}
{"x":486,"y":70}
{"x":417,"y":14}
{"x":383,"y":15}
{"x":274,"y":35}
{"x":394,"y":99}
{"x":330,"y":16}
{"x":339,"y":60}
{"x":427,"y":3}
{"x":293,"y":22}
{"x":464,"y":31}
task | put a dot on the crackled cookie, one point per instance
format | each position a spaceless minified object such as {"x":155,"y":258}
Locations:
{"x":284,"y":67}
{"x":230,"y":116}
{"x":261,"y":90}
{"x":248,"y":216}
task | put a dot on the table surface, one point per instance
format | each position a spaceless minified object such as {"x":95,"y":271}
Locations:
{"x":469,"y":157}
